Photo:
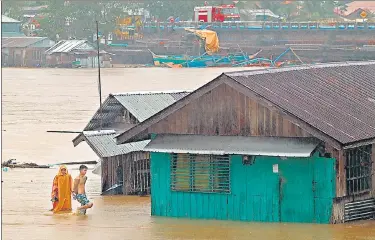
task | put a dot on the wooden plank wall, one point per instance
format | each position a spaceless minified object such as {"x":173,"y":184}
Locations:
{"x":225,"y":111}
{"x":129,"y":163}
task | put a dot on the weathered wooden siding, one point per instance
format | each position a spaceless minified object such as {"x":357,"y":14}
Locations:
{"x":305,"y":194}
{"x":225,"y":111}
{"x":135,"y":168}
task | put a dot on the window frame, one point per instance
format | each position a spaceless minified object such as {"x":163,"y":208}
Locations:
{"x":217,"y":182}
{"x":358,"y":166}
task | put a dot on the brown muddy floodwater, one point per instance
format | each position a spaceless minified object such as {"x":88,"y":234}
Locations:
{"x":37,"y":100}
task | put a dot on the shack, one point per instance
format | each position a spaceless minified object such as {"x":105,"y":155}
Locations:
{"x":277,"y":145}
{"x":11,"y":27}
{"x":125,"y":168}
{"x":24,"y":51}
{"x":75,"y":53}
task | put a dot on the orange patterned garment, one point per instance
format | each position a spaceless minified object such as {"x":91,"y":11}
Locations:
{"x":62,"y":191}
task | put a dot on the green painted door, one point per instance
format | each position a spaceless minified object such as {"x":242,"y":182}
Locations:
{"x":307,"y":188}
{"x":296,"y":190}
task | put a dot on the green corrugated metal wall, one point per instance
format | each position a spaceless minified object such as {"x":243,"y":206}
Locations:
{"x":302,"y":191}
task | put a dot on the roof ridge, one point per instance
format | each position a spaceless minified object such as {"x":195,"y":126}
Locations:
{"x":300,"y":67}
{"x":149,"y":92}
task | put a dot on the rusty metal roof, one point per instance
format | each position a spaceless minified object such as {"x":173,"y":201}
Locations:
{"x":103,"y":143}
{"x":337,"y":99}
{"x":19,"y":42}
{"x":222,"y":145}
{"x":6,"y":19}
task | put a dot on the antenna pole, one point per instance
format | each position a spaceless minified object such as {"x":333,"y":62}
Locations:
{"x":99,"y":82}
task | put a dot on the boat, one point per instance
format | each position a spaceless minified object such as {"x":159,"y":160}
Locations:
{"x":211,"y":58}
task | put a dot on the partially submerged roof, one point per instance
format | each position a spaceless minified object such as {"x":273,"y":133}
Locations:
{"x":104,"y":144}
{"x":144,"y":105}
{"x":222,"y":145}
{"x":6,"y":19}
{"x":334,"y":101}
{"x":141,"y":105}
{"x":22,"y":42}
{"x":66,"y":46}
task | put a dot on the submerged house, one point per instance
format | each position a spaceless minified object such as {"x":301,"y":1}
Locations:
{"x":278,"y":145}
{"x":24,"y":51}
{"x":125,"y":168}
{"x":75,"y":53}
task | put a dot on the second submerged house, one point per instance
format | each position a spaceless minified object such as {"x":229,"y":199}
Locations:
{"x":278,"y":145}
{"x":125,"y":168}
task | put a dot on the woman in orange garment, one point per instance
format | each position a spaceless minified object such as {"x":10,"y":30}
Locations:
{"x":62,"y":191}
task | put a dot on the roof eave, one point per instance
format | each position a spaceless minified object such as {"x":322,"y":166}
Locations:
{"x":359,"y":143}
{"x":78,"y":139}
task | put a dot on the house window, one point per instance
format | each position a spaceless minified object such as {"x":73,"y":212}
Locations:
{"x":200,"y":173}
{"x":358,"y":169}
{"x":37,"y":55}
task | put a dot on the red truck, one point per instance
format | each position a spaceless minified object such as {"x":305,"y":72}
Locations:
{"x":216,"y":13}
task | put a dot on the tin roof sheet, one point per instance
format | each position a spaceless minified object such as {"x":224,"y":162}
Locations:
{"x":337,"y":99}
{"x":19,"y":42}
{"x":6,"y":19}
{"x":144,"y":105}
{"x":65,"y":46}
{"x":104,"y":143}
{"x":141,"y":105}
{"x":222,"y":145}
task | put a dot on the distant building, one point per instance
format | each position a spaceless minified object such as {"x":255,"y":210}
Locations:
{"x":75,"y":53}
{"x":10,"y":27}
{"x":24,"y":51}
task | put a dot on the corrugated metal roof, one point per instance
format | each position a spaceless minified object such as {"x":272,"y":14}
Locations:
{"x":337,"y":99}
{"x":6,"y":19}
{"x":19,"y":42}
{"x":66,"y":46}
{"x":143,"y":106}
{"x":221,"y":145}
{"x":104,"y":143}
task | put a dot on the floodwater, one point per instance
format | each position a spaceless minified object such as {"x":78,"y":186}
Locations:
{"x":37,"y":100}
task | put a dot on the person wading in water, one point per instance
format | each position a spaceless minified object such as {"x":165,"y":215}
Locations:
{"x":80,"y":192}
{"x":61,"y":195}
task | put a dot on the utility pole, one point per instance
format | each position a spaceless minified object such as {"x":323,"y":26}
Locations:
{"x":99,"y":82}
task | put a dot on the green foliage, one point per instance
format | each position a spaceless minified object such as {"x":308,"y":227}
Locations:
{"x":77,"y":19}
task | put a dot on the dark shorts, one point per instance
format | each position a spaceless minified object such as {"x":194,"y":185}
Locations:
{"x":82,"y":199}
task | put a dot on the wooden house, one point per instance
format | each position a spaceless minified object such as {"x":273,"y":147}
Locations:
{"x":24,"y":51}
{"x":75,"y":53}
{"x":278,"y":145}
{"x":125,"y":168}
